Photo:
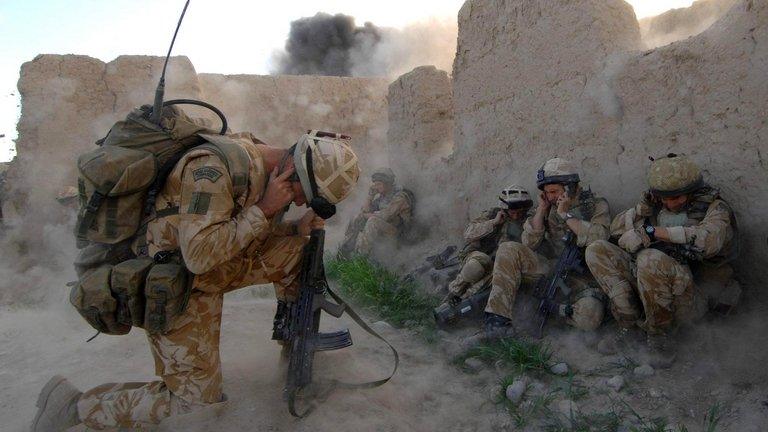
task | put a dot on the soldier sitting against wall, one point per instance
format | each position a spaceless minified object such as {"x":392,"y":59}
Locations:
{"x":386,"y":214}
{"x":563,"y":206}
{"x":679,"y":235}
{"x":483,"y":236}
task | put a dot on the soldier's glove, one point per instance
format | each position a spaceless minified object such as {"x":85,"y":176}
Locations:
{"x":645,"y":206}
{"x":632,"y":241}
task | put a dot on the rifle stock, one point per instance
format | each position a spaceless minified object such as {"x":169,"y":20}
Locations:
{"x":546,"y":289}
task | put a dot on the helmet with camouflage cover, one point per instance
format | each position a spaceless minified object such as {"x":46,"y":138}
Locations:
{"x":557,"y":171}
{"x":326,"y":166}
{"x":674,"y":175}
{"x":515,"y":197}
{"x":384,"y":175}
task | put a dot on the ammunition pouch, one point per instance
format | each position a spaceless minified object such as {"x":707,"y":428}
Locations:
{"x":138,"y":292}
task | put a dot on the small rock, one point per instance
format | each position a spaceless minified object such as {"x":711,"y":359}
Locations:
{"x":616,"y":383}
{"x":644,"y":371}
{"x":381,"y":326}
{"x":474,"y":364}
{"x":516,"y":390}
{"x":559,"y":369}
{"x":655,"y":393}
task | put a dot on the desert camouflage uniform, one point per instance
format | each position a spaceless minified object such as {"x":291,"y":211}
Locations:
{"x":517,"y":262}
{"x":662,"y":284}
{"x":227,"y":244}
{"x":483,"y":238}
{"x":390,"y":214}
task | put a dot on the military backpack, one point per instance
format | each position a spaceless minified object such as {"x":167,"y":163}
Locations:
{"x":119,"y":285}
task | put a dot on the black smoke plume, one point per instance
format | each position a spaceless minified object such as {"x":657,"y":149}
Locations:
{"x":324,"y":45}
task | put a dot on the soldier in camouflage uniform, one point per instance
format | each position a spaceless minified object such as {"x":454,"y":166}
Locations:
{"x":228,"y":244}
{"x":681,"y":228}
{"x":562,"y":206}
{"x":483,"y":236}
{"x":386,"y":213}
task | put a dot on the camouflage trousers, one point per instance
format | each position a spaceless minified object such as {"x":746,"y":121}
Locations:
{"x":376,"y":229}
{"x":658,"y":282}
{"x":474,"y":268}
{"x":516,"y":264}
{"x":187,"y":356}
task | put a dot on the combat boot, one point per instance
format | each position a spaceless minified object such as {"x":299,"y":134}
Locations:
{"x":56,"y":406}
{"x":614,"y":343}
{"x":497,"y":327}
{"x":661,"y":353}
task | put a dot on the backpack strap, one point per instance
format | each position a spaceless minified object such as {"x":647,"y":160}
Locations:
{"x":234,"y":156}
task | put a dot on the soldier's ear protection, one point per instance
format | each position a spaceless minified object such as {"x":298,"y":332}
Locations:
{"x":321,"y":206}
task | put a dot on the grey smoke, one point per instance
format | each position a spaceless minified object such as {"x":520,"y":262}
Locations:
{"x":334,"y":45}
{"x":323,"y":45}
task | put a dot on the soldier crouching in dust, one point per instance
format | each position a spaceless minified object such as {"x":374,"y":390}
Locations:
{"x":679,"y":233}
{"x":484,"y":235}
{"x":562,"y":206}
{"x":386,"y":213}
{"x":227,"y":245}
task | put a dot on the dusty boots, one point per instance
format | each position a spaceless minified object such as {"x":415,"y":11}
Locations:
{"x":661,"y":353}
{"x":56,"y":406}
{"x":497,"y":327}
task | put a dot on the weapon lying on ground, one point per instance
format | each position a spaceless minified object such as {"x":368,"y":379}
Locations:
{"x":471,"y":307}
{"x":303,"y":321}
{"x":440,"y":261}
{"x":546,"y":289}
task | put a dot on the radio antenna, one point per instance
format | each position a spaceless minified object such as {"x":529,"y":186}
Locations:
{"x":157,"y":108}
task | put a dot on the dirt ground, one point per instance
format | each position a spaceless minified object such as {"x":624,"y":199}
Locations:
{"x":722,"y":362}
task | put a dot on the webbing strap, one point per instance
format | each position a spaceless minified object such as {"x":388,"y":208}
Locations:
{"x":234,"y":156}
{"x":89,"y":215}
{"x":341,"y":384}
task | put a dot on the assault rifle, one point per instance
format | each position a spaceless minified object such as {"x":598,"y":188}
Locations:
{"x":303,"y":321}
{"x":546,"y":288}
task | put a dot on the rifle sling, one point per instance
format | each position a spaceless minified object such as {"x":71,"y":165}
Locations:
{"x":341,"y":384}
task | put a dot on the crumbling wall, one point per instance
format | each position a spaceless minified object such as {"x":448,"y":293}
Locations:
{"x":69,"y":101}
{"x":538,"y":79}
{"x":682,"y":23}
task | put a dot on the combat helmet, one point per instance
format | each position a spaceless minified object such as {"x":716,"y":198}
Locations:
{"x":384,"y":175}
{"x":327,"y":169}
{"x":515,"y":197}
{"x":674,"y":175}
{"x":557,"y":171}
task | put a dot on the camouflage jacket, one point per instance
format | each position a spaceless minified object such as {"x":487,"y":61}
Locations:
{"x":706,"y":224}
{"x":482,"y":235}
{"x":394,"y":208}
{"x":213,"y":230}
{"x":594,"y":218}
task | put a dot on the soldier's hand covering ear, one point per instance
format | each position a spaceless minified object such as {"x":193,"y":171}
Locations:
{"x":499,"y":219}
{"x":632,"y":241}
{"x":646,"y":204}
{"x":543,"y":203}
{"x":310,"y":221}
{"x":279,"y":193}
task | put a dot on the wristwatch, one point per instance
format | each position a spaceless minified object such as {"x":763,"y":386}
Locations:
{"x":651,"y":231}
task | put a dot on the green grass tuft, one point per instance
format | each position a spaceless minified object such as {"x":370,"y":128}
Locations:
{"x":520,"y":355}
{"x":382,"y":292}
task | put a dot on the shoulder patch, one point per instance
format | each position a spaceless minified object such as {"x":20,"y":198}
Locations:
{"x":207,"y":173}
